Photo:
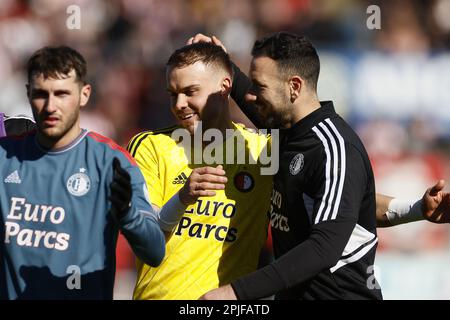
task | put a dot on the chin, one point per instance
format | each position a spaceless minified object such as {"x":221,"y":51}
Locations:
{"x":51,"y":133}
{"x":190,"y":127}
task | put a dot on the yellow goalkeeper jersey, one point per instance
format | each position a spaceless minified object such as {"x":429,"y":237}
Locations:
{"x":219,"y":238}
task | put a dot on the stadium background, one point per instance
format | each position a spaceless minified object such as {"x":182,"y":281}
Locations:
{"x":391,"y":84}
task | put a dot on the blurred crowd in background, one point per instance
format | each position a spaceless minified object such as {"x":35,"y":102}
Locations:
{"x":392,"y":84}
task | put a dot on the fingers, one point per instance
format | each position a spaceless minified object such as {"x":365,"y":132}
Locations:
{"x":121,"y":183}
{"x":118,"y":204}
{"x":203,"y":179}
{"x":217,"y":42}
{"x":199,"y":37}
{"x":116,"y":163}
{"x":205,"y":193}
{"x":119,"y":190}
{"x":209,"y":170}
{"x":202,"y":183}
{"x":207,"y":185}
{"x":122,"y":178}
{"x":120,"y":174}
{"x":439,"y":186}
{"x":208,"y":178}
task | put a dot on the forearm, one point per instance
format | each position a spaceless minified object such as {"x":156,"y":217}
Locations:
{"x":169,"y":215}
{"x":391,"y":211}
{"x":320,"y":252}
{"x":144,"y":236}
{"x":241,"y":84}
{"x":382,"y":208}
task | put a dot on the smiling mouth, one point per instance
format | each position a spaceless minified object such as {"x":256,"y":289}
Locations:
{"x":186,"y":116}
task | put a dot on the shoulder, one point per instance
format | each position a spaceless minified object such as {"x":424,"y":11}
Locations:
{"x":18,"y":125}
{"x":108,"y":146}
{"x":338,"y":140}
{"x":17,"y":146}
{"x":17,"y":139}
{"x":156,"y":138}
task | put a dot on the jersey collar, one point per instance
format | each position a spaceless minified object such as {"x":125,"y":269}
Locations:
{"x":302,"y":127}
{"x":68,"y":147}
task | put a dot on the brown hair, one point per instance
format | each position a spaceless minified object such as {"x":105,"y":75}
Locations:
{"x":293,"y":54}
{"x":208,"y":53}
{"x":52,"y":62}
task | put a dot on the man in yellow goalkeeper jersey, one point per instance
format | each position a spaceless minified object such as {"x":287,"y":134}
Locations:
{"x":215,"y":216}
{"x":213,"y":209}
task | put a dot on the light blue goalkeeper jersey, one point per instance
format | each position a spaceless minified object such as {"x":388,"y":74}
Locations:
{"x":58,"y":237}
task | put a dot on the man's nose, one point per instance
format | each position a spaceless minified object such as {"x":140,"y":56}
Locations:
{"x":180,"y":102}
{"x":50,"y":104}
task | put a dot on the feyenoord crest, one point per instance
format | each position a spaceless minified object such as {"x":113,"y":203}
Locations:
{"x":296,"y":164}
{"x":243,"y":181}
{"x":79,"y":183}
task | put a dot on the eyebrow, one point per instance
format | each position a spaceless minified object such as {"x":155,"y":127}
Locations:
{"x":184,"y":89}
{"x":62,"y":91}
{"x":56,"y":91}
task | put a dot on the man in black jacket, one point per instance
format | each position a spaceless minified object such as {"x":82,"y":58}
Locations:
{"x":323,"y":212}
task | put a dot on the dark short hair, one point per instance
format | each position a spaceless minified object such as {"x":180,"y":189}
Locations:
{"x":293,"y":54}
{"x":52,"y":62}
{"x":208,"y":53}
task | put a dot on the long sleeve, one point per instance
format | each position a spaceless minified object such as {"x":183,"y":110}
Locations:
{"x":241,"y":84}
{"x":337,"y":189}
{"x":139,"y":226}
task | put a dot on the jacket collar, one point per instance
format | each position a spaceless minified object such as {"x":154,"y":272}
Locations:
{"x":303,"y":126}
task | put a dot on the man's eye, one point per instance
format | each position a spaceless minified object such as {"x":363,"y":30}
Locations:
{"x":39,"y":95}
{"x":256,"y":88}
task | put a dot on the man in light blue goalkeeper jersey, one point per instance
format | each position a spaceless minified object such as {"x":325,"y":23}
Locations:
{"x":65,"y":193}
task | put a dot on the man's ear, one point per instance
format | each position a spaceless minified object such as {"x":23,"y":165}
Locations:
{"x":85,"y":94}
{"x":296,"y":84}
{"x":226,"y":86}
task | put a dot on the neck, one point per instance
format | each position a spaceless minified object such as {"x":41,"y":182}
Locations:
{"x":51,"y":143}
{"x":303,"y":107}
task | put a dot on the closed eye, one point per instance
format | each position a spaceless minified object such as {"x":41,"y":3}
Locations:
{"x":39,"y":94}
{"x":190,"y":93}
{"x":62,"y":93}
